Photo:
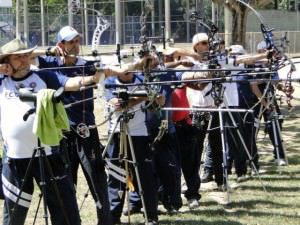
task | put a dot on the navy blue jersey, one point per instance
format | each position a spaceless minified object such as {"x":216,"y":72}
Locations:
{"x":79,"y":113}
{"x":154,"y":118}
{"x":246,"y":97}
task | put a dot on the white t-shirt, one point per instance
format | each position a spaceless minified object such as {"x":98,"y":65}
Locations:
{"x":231,"y":97}
{"x":136,"y":125}
{"x":197,"y":98}
{"x":17,"y":134}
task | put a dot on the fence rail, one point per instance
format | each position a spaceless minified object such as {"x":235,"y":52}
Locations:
{"x":56,"y":16}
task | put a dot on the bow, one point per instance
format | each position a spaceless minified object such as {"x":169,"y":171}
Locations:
{"x":146,"y":50}
{"x":83,"y":129}
{"x":266,"y":31}
{"x":101,"y":25}
{"x":270,"y":43}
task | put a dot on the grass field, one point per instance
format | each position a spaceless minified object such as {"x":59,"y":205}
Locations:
{"x":250,"y":204}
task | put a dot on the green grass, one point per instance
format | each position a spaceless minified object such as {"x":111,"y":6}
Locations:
{"x":250,"y":205}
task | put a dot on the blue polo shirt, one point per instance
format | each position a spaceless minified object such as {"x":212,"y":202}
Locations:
{"x":154,"y":118}
{"x":82,"y":112}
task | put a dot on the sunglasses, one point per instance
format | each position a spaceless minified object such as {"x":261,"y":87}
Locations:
{"x":203,"y":42}
{"x":76,"y":41}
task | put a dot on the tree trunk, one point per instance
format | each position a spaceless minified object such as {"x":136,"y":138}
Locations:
{"x":275,"y":4}
{"x":239,"y":21}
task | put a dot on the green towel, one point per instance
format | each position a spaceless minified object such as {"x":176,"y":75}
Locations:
{"x":51,"y":118}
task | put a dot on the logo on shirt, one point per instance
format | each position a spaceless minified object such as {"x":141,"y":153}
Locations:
{"x":11,"y":94}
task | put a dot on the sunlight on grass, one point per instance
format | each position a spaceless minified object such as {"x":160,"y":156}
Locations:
{"x":250,"y":205}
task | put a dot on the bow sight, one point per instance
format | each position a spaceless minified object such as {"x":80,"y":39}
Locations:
{"x":124,"y":95}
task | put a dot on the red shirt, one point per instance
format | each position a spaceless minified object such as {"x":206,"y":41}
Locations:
{"x":179,"y":100}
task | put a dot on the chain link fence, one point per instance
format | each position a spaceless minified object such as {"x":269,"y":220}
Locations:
{"x":56,"y":16}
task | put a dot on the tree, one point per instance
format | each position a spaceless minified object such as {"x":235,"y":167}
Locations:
{"x":239,"y":17}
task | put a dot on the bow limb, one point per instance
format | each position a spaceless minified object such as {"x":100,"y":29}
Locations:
{"x":266,"y":31}
{"x":101,"y":23}
{"x":259,"y":16}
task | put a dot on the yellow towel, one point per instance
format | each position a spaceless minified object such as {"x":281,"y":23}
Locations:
{"x":50,"y":119}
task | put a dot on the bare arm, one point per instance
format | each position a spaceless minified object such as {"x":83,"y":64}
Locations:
{"x":185,"y":63}
{"x":258,"y":94}
{"x":75,"y":83}
{"x":250,"y":60}
{"x":117,"y":102}
{"x":179,"y":52}
{"x":196,"y":76}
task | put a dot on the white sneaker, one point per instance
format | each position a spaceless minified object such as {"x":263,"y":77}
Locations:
{"x":241,"y":178}
{"x":280,"y":162}
{"x":193,"y":203}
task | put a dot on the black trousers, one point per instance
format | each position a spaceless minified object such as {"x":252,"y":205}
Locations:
{"x":146,"y":171}
{"x":271,"y":126}
{"x":87,"y":152}
{"x":168,"y":171}
{"x":13,"y":177}
{"x":236,"y":150}
{"x":191,"y":141}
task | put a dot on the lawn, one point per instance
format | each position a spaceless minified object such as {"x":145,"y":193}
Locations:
{"x":249,"y":203}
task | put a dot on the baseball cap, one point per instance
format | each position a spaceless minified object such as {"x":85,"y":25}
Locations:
{"x":237,"y":50}
{"x":66,"y":33}
{"x":261,"y":46}
{"x":199,"y":38}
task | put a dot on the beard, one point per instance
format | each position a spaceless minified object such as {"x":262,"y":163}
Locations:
{"x":21,"y":71}
{"x":73,"y":51}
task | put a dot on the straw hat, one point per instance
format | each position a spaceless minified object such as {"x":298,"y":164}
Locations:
{"x":14,"y":47}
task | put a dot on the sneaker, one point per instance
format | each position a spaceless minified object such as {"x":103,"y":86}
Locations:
{"x":222,"y":187}
{"x":241,"y":178}
{"x":183,"y":188}
{"x":172,"y":210}
{"x":117,"y":222}
{"x":152,"y":222}
{"x":280,"y":162}
{"x":193,"y":203}
{"x":253,"y":173}
{"x":207,"y":177}
{"x":132,"y":210}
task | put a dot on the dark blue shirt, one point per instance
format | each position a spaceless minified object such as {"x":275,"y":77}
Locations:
{"x":82,"y":112}
{"x":246,"y":97}
{"x":154,"y":118}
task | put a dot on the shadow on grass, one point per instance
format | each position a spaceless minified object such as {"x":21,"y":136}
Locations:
{"x":264,"y":214}
{"x":294,"y":160}
{"x":252,"y":204}
{"x":242,"y":209}
{"x":290,"y":178}
{"x":270,"y":188}
{"x":198,"y":222}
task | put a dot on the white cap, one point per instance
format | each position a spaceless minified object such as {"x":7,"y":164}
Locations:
{"x":66,"y":33}
{"x":199,"y":38}
{"x":261,"y":46}
{"x":237,"y":50}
